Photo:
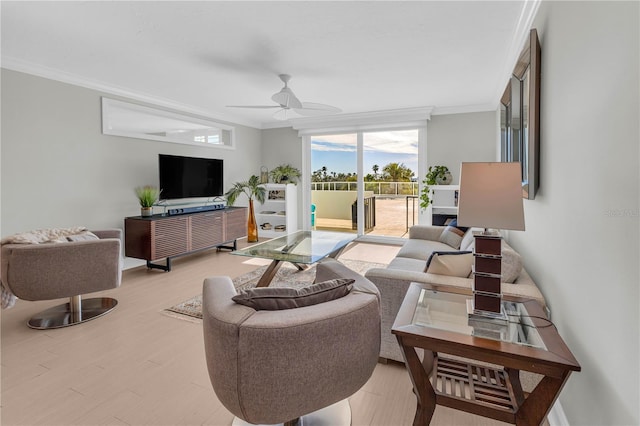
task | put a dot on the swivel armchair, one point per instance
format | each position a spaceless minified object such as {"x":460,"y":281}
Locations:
{"x":292,"y":366}
{"x":57,"y":270}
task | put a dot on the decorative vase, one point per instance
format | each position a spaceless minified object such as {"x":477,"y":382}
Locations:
{"x":252,"y":225}
{"x":444,"y":180}
{"x":264,"y":175}
{"x":146,"y":211}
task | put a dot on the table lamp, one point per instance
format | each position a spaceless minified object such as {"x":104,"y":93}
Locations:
{"x":490,"y":198}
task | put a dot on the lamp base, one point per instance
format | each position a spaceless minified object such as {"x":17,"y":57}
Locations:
{"x":490,"y":325}
{"x":496,"y":318}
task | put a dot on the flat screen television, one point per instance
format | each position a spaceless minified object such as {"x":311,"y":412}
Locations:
{"x":189,"y":177}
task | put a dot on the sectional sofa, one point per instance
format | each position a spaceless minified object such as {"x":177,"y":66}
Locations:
{"x":410,"y":265}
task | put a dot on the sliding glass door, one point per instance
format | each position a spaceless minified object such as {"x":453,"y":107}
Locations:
{"x":334,"y":185}
{"x":365,"y":182}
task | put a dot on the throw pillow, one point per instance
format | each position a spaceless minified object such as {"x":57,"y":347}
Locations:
{"x":277,"y":298}
{"x":452,"y":263}
{"x":453,"y":234}
{"x":511,"y":265}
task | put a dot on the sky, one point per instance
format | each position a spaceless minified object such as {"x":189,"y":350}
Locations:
{"x":338,"y":152}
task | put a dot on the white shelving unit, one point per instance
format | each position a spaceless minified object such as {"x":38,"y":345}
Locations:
{"x":445,"y":200}
{"x":280,"y":208}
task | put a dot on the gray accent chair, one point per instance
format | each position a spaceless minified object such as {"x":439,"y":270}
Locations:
{"x":270,"y":367}
{"x":58,"y":270}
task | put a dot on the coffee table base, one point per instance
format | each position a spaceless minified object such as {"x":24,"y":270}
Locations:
{"x":271,"y":271}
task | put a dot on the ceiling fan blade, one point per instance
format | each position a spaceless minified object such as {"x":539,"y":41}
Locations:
{"x":254,"y":106}
{"x":312,"y":108}
{"x":284,"y":114}
{"x":286,"y":99}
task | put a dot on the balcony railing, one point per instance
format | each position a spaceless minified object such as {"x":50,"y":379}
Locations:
{"x":391,"y":189}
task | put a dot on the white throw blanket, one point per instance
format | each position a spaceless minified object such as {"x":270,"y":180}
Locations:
{"x":39,"y":236}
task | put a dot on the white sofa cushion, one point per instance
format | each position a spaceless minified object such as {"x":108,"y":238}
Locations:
{"x":407,"y":264}
{"x":421,"y":249}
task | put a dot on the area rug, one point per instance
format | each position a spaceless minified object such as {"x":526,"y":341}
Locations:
{"x":287,"y":276}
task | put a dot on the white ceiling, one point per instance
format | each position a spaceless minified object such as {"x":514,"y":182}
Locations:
{"x":360,"y":56}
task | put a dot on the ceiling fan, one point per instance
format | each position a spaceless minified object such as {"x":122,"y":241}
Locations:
{"x":287,"y":103}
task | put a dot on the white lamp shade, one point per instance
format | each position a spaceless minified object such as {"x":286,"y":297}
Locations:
{"x":491,"y":196}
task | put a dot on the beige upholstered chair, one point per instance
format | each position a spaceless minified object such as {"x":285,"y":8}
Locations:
{"x":270,"y":367}
{"x":57,"y":270}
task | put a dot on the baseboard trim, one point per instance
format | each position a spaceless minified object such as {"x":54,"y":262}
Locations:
{"x":556,"y":415}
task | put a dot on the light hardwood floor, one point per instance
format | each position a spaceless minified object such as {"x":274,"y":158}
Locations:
{"x":138,"y":366}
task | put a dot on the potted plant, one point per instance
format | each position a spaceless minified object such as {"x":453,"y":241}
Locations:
{"x":285,"y":173}
{"x":252,"y":189}
{"x":147,"y":196}
{"x":437,"y":175}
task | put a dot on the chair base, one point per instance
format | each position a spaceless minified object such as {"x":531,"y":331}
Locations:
{"x":64,"y":315}
{"x":338,"y":414}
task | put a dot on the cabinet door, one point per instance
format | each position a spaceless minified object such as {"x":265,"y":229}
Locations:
{"x":170,"y":237}
{"x":137,"y":238}
{"x":206,"y":230}
{"x":236,"y":224}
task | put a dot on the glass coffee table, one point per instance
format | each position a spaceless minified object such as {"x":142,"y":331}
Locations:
{"x":440,"y":323}
{"x":301,"y":248}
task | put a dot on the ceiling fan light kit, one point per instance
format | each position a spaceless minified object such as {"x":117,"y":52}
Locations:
{"x":288,"y":102}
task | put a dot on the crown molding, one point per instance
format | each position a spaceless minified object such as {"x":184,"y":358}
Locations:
{"x":463,"y":109}
{"x":26,"y":67}
{"x":398,"y":118}
{"x":523,"y":27}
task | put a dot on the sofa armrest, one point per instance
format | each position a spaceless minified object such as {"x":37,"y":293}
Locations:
{"x":426,"y":232}
{"x":393,"y":285}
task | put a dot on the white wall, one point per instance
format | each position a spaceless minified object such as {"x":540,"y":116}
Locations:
{"x":456,"y":138}
{"x":283,"y":146}
{"x":582,"y":239}
{"x":59,"y":170}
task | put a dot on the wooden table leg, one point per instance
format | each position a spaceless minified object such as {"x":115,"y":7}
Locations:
{"x":268,"y":275}
{"x":537,"y":405}
{"x":301,"y":266}
{"x":425,"y":394}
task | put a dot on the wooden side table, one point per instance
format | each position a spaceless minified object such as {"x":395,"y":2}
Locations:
{"x":438,"y":323}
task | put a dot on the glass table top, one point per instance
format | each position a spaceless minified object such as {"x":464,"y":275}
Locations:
{"x":449,"y":312}
{"x":304,"y":247}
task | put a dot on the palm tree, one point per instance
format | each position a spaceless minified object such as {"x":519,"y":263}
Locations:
{"x":397,"y":172}
{"x":375,"y":169}
{"x":252,"y":189}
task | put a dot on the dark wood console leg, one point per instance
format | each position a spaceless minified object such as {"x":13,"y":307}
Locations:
{"x":233,"y":247}
{"x":166,"y":268}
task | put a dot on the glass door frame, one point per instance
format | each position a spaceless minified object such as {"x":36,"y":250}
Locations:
{"x":359,"y":131}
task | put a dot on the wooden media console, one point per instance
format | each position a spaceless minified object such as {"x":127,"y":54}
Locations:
{"x":165,"y":237}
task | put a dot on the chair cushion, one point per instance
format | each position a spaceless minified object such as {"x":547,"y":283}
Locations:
{"x":453,"y":234}
{"x":452,"y":263}
{"x":278,"y":298}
